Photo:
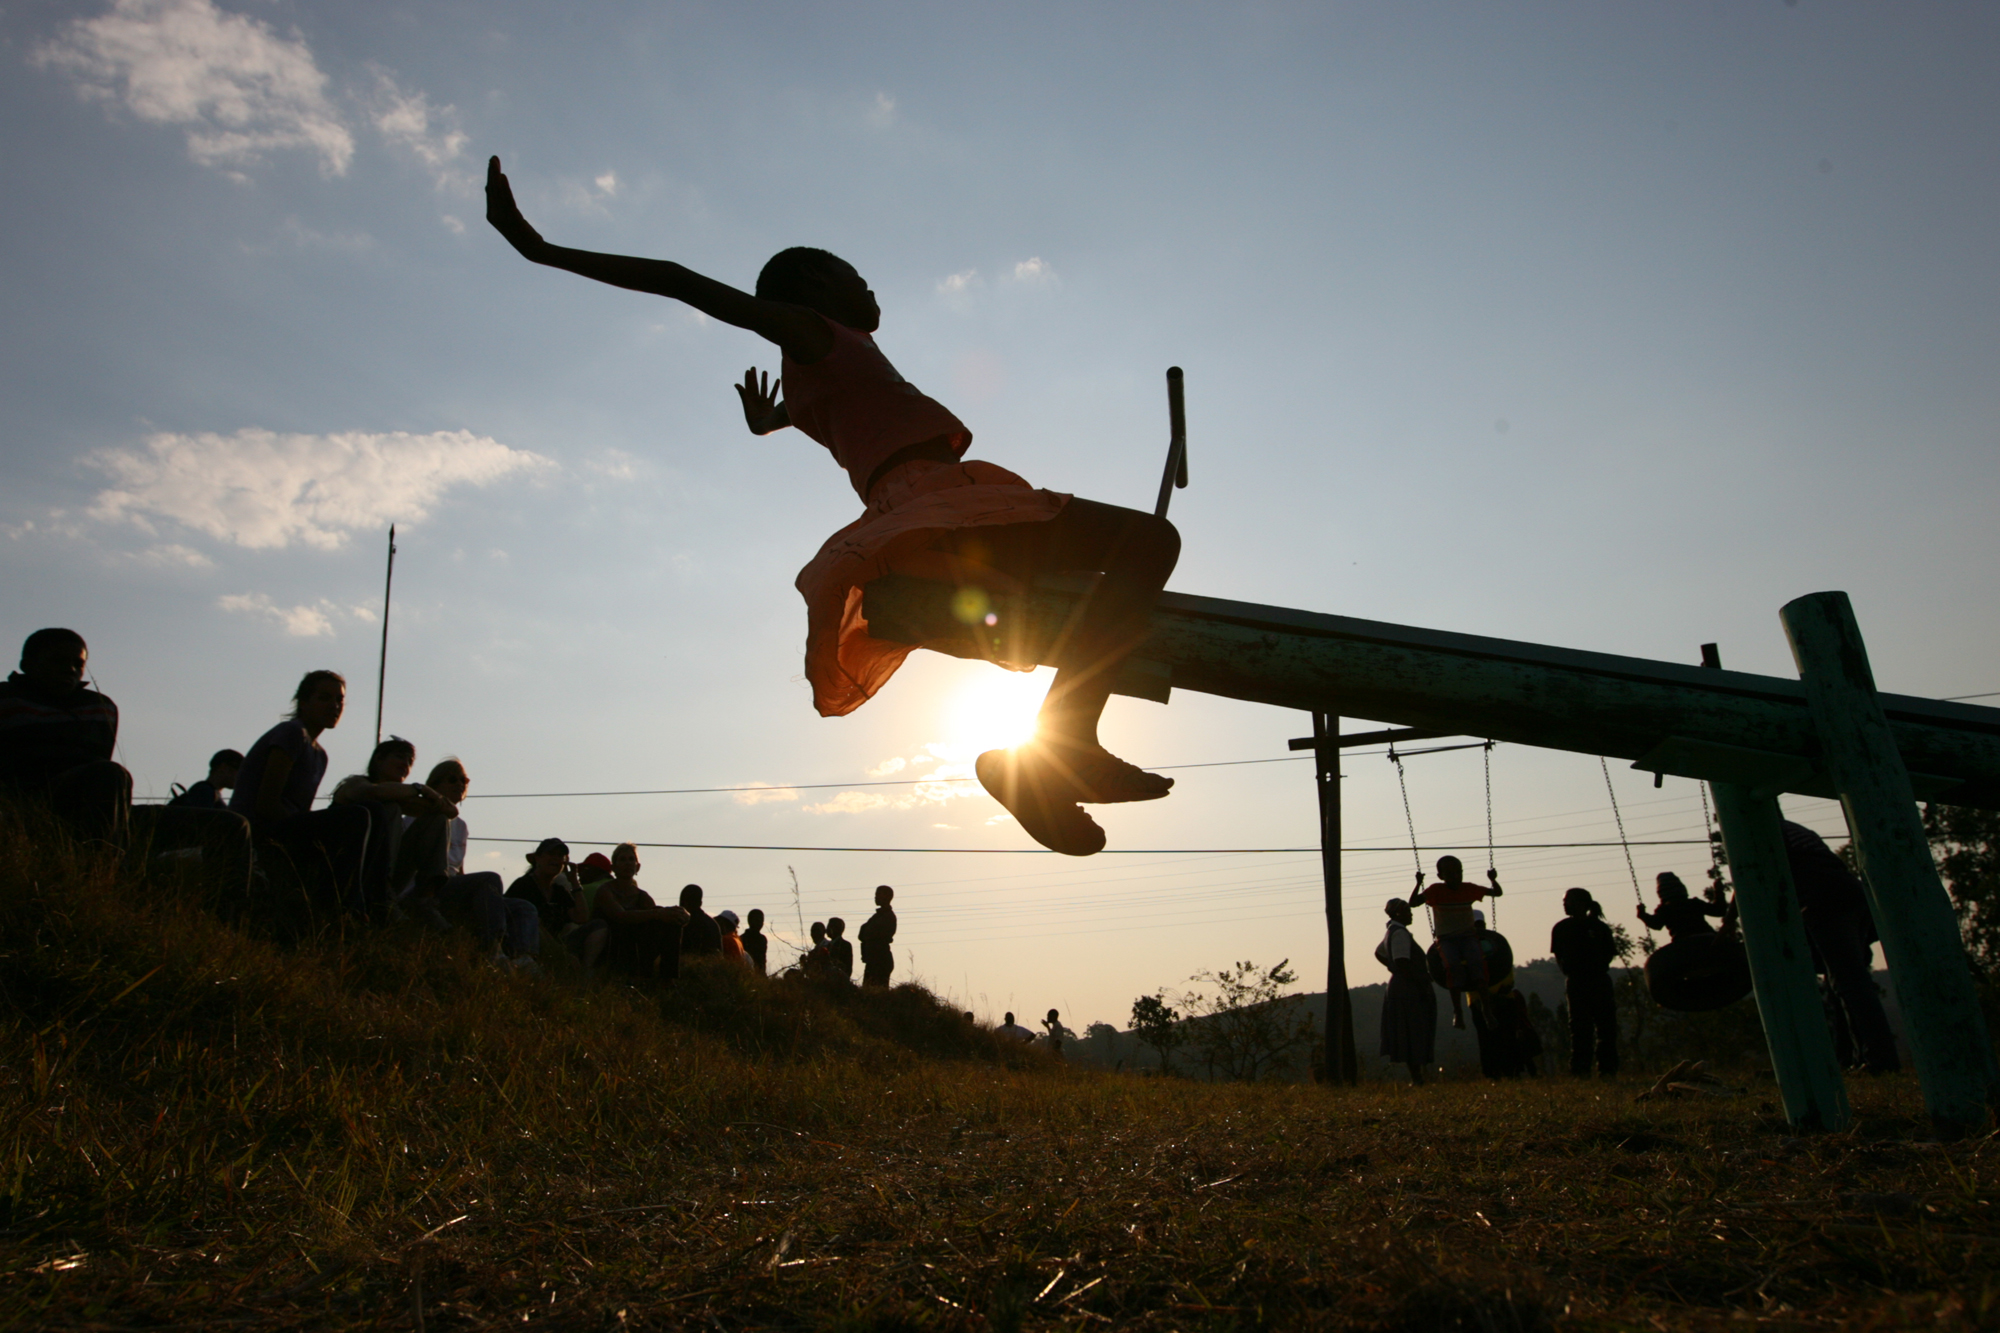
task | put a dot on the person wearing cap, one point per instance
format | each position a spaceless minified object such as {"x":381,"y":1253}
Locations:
{"x":593,"y":871}
{"x":726,"y":922}
{"x":550,"y":885}
{"x":645,"y":937}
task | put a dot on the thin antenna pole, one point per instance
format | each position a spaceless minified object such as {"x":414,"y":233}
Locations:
{"x":382,"y":668}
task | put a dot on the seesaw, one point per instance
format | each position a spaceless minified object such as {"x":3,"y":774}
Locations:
{"x":1829,"y":733}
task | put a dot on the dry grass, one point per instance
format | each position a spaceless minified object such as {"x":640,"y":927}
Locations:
{"x":200,"y":1129}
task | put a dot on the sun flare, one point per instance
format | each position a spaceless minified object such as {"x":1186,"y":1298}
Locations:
{"x":995,"y":710}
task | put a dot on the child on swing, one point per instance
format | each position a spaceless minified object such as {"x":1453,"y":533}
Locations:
{"x":928,"y":511}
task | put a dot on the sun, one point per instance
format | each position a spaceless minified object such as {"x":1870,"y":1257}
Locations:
{"x":995,"y":710}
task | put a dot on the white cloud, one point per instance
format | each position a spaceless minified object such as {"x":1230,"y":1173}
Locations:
{"x":756,"y":793}
{"x":429,"y":134}
{"x":306,"y":621}
{"x":607,"y":184}
{"x":951,"y":780}
{"x":172,"y":553}
{"x":958,"y":283}
{"x":452,"y":224}
{"x":615,"y":464}
{"x":1035,"y":272}
{"x":263,"y":490}
{"x":240,"y":89}
{"x":849,"y":803}
{"x":883,"y":113}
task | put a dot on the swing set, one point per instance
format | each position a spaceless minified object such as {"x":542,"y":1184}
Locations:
{"x":1829,"y":733}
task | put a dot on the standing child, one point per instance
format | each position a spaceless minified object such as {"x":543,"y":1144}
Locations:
{"x":928,"y":511}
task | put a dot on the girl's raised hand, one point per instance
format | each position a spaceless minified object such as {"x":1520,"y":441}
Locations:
{"x":505,"y":215}
{"x":759,"y":393}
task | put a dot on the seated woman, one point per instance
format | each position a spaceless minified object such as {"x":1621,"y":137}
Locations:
{"x":479,"y":896}
{"x":1679,"y":914}
{"x":550,"y":885}
{"x":409,"y":824}
{"x":275,"y":790}
{"x":645,"y":937}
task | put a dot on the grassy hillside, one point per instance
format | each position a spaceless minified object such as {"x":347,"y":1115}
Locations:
{"x":200,"y":1128}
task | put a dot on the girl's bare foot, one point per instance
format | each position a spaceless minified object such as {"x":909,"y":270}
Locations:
{"x":1048,"y":810}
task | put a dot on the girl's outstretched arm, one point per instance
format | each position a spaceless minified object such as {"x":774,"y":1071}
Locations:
{"x":801,"y":332}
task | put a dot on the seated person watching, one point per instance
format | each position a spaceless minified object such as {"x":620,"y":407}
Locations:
{"x":645,"y":937}
{"x":409,"y":824}
{"x":550,"y":885}
{"x":56,"y":738}
{"x":480,"y":895}
{"x":207,"y":794}
{"x":276,"y":786}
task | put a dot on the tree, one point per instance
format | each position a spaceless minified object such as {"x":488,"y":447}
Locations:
{"x":1158,"y":1024}
{"x":1248,"y":1028}
{"x":1966,"y":843}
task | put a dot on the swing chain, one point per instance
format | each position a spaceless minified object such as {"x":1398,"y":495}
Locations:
{"x":1492,"y":872}
{"x":1708,"y":832}
{"x":1630,"y":869}
{"x":1403,"y":784}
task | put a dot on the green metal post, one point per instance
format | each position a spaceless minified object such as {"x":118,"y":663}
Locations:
{"x":1788,"y":1001}
{"x":1941,"y":1015}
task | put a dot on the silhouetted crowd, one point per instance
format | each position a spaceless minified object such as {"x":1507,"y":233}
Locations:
{"x":382,"y":848}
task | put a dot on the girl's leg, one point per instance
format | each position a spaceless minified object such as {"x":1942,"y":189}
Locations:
{"x":1135,"y":552}
{"x":1042,"y":782}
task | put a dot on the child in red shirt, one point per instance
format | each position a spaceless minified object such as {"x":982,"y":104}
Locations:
{"x":929,"y":512}
{"x":1457,"y":933}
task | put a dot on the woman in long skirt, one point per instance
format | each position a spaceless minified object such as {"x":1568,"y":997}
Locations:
{"x":1409,"y":1011}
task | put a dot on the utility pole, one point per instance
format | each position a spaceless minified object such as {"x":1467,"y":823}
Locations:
{"x":382,"y":667}
{"x":1341,"y":1066}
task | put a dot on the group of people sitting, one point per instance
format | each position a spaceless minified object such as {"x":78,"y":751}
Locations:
{"x":382,"y":847}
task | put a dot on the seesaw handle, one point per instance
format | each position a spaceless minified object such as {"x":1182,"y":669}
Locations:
{"x":1177,"y":471}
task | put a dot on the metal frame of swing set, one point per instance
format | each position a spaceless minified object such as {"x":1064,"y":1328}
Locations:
{"x":1829,"y":733}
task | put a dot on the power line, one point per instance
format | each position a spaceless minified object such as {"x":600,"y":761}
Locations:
{"x":1109,"y":851}
{"x":768,"y":787}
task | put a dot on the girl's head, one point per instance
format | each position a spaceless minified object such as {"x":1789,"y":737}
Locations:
{"x":392,"y":761}
{"x":319,"y":699}
{"x":449,"y":779}
{"x":1670,"y":887}
{"x":1578,"y":902}
{"x":823,"y":281}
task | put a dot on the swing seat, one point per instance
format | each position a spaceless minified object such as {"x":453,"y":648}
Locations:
{"x":1697,"y":975}
{"x":1499,"y":961}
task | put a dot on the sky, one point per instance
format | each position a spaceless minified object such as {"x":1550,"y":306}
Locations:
{"x":1605,"y":326}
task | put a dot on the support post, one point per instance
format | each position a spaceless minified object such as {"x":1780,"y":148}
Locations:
{"x":1941,"y":1015}
{"x":1774,"y":935}
{"x":382,"y":666}
{"x":1341,"y":1066}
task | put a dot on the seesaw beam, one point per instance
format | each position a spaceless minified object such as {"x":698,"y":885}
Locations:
{"x":1663,"y":717}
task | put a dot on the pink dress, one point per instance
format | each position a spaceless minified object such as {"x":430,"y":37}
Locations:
{"x":853,"y":402}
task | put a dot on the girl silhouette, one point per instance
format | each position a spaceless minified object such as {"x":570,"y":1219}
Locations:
{"x":928,"y":510}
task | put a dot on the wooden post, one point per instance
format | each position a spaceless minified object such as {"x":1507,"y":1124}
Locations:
{"x":1341,"y":1065}
{"x":1788,"y":1000}
{"x":1941,"y":1014}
